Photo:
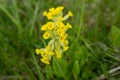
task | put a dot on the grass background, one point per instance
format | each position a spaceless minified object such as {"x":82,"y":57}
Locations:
{"x":94,"y":40}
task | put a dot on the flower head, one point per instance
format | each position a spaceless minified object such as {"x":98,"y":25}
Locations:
{"x":46,"y":35}
{"x":50,"y":25}
{"x":60,"y":32}
{"x":56,"y":31}
{"x":44,"y":27}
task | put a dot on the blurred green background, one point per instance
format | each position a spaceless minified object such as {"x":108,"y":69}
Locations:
{"x":94,"y":40}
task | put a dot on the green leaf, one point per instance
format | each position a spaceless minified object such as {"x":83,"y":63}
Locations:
{"x":49,"y":72}
{"x":114,"y":36}
{"x":76,"y":67}
{"x":82,"y":55}
{"x":60,"y":67}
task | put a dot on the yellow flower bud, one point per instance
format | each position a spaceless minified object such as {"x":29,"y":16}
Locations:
{"x":45,"y":60}
{"x":65,"y":48}
{"x":70,"y":13}
{"x":58,"y":54}
{"x":66,"y":42}
{"x":37,"y":51}
{"x":45,"y":13}
{"x":68,"y":25}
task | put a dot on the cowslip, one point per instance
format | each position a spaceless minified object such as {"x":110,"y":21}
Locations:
{"x":55,"y":30}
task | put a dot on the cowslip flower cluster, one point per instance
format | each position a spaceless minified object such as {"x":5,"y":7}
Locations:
{"x":55,"y":30}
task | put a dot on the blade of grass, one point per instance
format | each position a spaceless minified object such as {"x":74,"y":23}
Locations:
{"x":34,"y":18}
{"x":40,"y":75}
{"x":11,"y":17}
{"x":81,"y":18}
{"x":16,"y":11}
{"x":80,"y":24}
{"x":30,"y":71}
{"x":112,"y":57}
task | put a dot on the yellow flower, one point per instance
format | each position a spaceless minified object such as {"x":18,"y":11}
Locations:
{"x":70,"y":13}
{"x":48,"y":51}
{"x":65,"y":48}
{"x":44,"y":27}
{"x":43,"y":54}
{"x":50,"y":25}
{"x":46,"y":35}
{"x":48,"y":47}
{"x":51,"y":9}
{"x":66,"y":42}
{"x":68,"y":25}
{"x":45,"y":13}
{"x":60,"y":24}
{"x":60,"y":32}
{"x":60,"y":8}
{"x":62,"y":38}
{"x":37,"y":51}
{"x":58,"y":54}
{"x":45,"y":60}
{"x":49,"y":15}
{"x":51,"y":53}
{"x":65,"y":35}
{"x":60,"y":18}
{"x":55,"y":12}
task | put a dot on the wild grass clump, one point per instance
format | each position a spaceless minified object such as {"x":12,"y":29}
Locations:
{"x":94,"y":40}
